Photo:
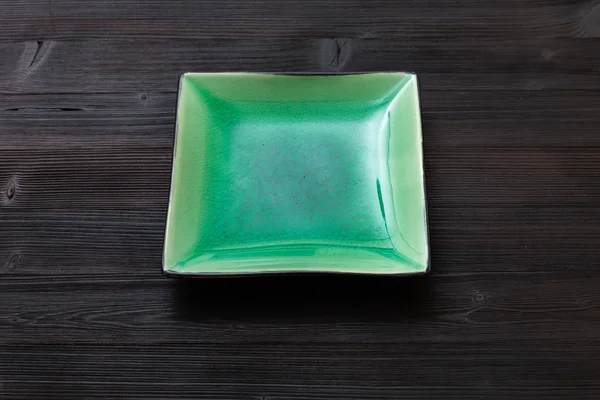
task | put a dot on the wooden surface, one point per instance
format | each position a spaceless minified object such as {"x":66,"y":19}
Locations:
{"x":511,"y":116}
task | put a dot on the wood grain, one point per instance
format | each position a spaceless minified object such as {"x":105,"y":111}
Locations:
{"x":148,"y":65}
{"x":509,"y":93}
{"x":461,"y":309}
{"x":271,"y":18}
{"x":300,"y":371}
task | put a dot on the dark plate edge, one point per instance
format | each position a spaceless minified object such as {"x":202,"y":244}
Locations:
{"x":200,"y":275}
{"x":424,"y":182}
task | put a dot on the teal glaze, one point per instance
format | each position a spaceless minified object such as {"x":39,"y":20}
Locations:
{"x":280,"y":173}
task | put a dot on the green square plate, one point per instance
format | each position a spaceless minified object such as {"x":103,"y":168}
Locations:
{"x":281,"y":173}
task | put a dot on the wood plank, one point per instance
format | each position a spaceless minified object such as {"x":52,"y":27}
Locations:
{"x":447,"y":311}
{"x":302,"y":371}
{"x":271,"y":18}
{"x":145,"y":65}
{"x":452,"y":119}
{"x":78,"y":121}
{"x":110,"y":235}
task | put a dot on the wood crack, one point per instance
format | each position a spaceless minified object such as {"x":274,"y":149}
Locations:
{"x":66,"y":109}
{"x":40,"y":43}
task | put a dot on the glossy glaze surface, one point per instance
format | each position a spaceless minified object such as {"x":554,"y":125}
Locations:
{"x":280,"y":173}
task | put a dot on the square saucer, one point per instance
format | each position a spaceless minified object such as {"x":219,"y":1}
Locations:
{"x":276,"y":173}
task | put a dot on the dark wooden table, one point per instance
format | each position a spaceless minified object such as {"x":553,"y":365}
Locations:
{"x":511,"y":114}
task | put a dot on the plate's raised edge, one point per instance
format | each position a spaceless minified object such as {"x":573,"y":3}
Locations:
{"x":164,"y":249}
{"x":294,"y":73}
{"x":172,"y":274}
{"x":424,"y":181}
